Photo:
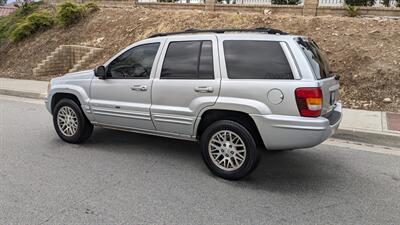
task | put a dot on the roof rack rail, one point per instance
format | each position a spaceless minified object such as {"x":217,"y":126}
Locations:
{"x":219,"y":31}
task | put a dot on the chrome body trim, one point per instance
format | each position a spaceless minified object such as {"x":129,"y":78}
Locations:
{"x":149,"y":132}
{"x":121,"y":113}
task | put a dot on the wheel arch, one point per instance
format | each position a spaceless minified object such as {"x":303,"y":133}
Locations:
{"x":62,"y":95}
{"x":74,"y":92}
{"x":210,"y":116}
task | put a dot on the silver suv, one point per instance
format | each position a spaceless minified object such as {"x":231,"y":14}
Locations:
{"x":235,"y":91}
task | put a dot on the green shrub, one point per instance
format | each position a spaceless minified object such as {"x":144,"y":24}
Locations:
{"x":398,"y":3}
{"x":286,"y":2}
{"x":41,"y":20}
{"x":352,"y":10}
{"x":360,"y":2}
{"x":9,"y":23}
{"x":27,"y":8}
{"x":23,"y":30}
{"x":38,"y":21}
{"x":70,"y":13}
{"x":5,"y":24}
{"x":91,"y":7}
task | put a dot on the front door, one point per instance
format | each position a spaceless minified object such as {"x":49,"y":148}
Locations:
{"x":186,"y":82}
{"x":123,"y":99}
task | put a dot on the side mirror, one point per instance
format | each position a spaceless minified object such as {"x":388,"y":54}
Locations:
{"x":100,"y":72}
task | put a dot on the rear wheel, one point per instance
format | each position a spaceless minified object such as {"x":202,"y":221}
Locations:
{"x":70,"y":123}
{"x":229,"y":150}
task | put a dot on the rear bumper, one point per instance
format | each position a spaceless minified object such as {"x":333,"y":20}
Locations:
{"x":291,"y":132}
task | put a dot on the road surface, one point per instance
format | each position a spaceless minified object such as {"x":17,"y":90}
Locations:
{"x":124,"y":178}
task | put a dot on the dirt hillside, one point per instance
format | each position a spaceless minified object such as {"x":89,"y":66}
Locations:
{"x":365,"y":51}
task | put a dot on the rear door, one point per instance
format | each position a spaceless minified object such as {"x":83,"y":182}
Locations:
{"x":328,"y":81}
{"x":259,"y":69}
{"x":187,"y":80}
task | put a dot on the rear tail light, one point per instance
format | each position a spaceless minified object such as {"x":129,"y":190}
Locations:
{"x":309,"y":101}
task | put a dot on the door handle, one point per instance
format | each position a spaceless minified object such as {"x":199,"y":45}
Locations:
{"x":139,"y":88}
{"x":204,"y":89}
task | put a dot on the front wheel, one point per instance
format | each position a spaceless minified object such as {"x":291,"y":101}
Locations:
{"x":70,"y":123}
{"x":229,"y":150}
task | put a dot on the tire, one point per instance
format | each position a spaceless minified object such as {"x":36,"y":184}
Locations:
{"x":224,"y":160}
{"x":80,"y":129}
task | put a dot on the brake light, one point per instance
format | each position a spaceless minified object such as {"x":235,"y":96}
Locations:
{"x":309,"y":101}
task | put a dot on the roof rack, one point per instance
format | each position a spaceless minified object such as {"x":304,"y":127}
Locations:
{"x":219,"y":31}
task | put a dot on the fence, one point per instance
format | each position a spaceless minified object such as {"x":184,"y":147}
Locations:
{"x":305,"y":7}
{"x":378,"y":3}
{"x":266,"y":2}
{"x":331,"y":2}
{"x":240,"y":2}
{"x":176,"y":1}
{"x":190,"y":1}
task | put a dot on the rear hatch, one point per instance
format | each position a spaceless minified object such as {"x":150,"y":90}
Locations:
{"x":329,"y":81}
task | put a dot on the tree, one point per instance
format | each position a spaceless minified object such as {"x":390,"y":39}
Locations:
{"x":3,"y":2}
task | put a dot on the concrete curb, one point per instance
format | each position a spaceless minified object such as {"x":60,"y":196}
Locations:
{"x":21,"y":93}
{"x":375,"y":138}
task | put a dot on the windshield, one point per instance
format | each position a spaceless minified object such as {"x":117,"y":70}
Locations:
{"x":317,"y":59}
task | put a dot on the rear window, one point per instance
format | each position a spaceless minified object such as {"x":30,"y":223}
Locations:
{"x":317,"y":59}
{"x":188,"y":60}
{"x":256,"y":60}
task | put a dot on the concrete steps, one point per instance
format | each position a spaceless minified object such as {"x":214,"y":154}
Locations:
{"x":85,"y":60}
{"x":64,"y":59}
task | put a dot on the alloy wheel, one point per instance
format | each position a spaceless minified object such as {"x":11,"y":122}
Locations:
{"x":227,"y":150}
{"x":67,"y":121}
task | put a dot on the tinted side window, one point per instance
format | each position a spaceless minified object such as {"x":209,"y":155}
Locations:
{"x":188,"y":60}
{"x":136,"y":63}
{"x":256,"y":60}
{"x":316,"y":58}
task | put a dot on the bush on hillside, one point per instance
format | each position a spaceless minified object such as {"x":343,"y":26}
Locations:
{"x":38,"y":21}
{"x":91,"y":7}
{"x":70,"y":13}
{"x":352,"y":10}
{"x":9,"y":23}
{"x":31,"y":18}
{"x":6,"y":23}
{"x":27,"y":8}
{"x":360,"y":2}
{"x":286,"y":2}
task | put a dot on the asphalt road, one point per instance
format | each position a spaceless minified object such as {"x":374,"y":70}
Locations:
{"x":124,"y":178}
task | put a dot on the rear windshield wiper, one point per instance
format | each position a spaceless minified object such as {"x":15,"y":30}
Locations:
{"x":337,"y":76}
